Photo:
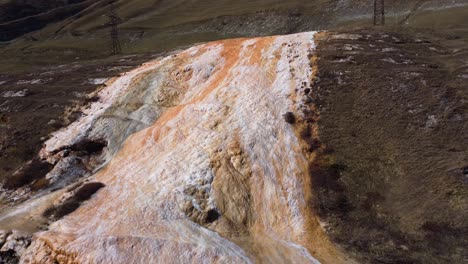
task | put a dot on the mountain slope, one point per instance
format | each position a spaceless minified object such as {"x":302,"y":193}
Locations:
{"x":150,"y":26}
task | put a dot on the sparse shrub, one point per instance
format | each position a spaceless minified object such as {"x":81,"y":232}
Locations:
{"x":91,"y":99}
{"x":313,"y":143}
{"x":309,"y":116}
{"x":87,"y":190}
{"x":9,"y":256}
{"x":372,"y":199}
{"x":306,"y":133}
{"x":40,"y":184}
{"x":289,"y":118}
{"x":326,"y":177}
{"x":327,"y":150}
{"x":331,"y":194}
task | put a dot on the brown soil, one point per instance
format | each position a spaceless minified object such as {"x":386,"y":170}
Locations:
{"x":393,"y":117}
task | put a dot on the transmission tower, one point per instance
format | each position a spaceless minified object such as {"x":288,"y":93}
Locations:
{"x":114,"y":21}
{"x":379,"y":12}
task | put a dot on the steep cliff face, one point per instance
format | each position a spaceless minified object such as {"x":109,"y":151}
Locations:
{"x":215,"y":173}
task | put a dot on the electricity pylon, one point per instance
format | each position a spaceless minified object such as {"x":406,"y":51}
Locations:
{"x":379,"y":12}
{"x":114,"y":21}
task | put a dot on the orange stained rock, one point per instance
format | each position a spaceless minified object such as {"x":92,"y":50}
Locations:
{"x":223,"y":147}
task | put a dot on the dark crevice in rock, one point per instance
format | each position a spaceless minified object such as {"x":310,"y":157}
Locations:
{"x":13,"y":244}
{"x":211,"y":216}
{"x":8,"y":257}
{"x":89,"y":146}
{"x":72,"y":203}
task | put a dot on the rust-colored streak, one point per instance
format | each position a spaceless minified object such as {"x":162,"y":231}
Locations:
{"x":230,"y":54}
{"x":260,"y":45}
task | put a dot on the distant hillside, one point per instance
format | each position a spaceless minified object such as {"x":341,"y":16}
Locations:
{"x":20,"y":17}
{"x":77,"y":29}
{"x":13,"y":10}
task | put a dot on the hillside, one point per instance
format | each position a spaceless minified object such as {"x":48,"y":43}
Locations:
{"x":155,"y":26}
{"x":11,"y":10}
{"x":277,"y":149}
{"x":218,"y":137}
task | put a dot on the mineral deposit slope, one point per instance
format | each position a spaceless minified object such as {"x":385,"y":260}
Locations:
{"x":212,"y":174}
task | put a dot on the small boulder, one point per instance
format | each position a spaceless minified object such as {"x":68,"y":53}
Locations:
{"x":289,"y":118}
{"x":13,"y":244}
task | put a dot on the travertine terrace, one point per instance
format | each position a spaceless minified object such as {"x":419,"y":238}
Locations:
{"x":200,"y":165}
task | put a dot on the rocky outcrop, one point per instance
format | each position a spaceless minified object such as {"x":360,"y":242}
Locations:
{"x":13,"y":244}
{"x":199,"y":163}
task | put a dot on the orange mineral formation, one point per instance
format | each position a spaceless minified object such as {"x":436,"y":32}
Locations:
{"x":203,"y":169}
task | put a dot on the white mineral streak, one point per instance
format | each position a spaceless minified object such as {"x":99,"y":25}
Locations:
{"x":21,"y":93}
{"x":109,"y":96}
{"x":237,"y":91}
{"x":97,"y":81}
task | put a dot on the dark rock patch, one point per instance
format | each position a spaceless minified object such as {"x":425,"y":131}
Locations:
{"x":89,"y":146}
{"x":72,"y":203}
{"x":289,"y":118}
{"x":35,"y":169}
